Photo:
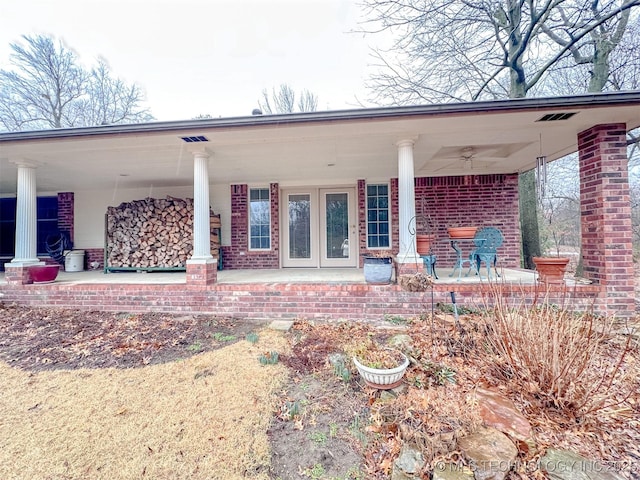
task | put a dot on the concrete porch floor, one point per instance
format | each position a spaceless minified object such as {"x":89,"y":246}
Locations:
{"x":285,"y":275}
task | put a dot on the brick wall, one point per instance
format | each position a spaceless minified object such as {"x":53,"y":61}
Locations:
{"x":470,"y":200}
{"x":606,"y":214}
{"x":284,"y":300}
{"x":237,"y":255}
{"x":93,"y":255}
{"x":66,"y":213}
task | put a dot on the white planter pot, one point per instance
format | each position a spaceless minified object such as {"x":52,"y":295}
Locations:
{"x":383,"y":379}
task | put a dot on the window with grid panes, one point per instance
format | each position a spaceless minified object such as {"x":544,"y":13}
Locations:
{"x":378,"y":216}
{"x":259,"y":219}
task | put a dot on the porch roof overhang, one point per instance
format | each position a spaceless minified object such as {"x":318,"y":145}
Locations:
{"x":335,"y":147}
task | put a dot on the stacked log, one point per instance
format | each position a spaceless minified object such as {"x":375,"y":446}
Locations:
{"x":154,"y":233}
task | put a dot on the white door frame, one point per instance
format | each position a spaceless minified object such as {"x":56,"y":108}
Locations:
{"x":349,"y":244}
{"x":309,"y":258}
{"x":317,"y":256}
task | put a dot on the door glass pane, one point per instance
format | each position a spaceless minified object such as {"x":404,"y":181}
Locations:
{"x":299,"y":226}
{"x":337,"y":208}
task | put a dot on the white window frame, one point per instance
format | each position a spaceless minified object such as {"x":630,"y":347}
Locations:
{"x":366,"y":196}
{"x":249,"y":236}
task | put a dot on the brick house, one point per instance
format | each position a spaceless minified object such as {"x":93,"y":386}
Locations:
{"x":323,"y":189}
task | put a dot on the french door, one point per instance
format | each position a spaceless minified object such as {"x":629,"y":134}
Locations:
{"x":319,"y":228}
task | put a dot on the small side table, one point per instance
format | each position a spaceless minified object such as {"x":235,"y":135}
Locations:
{"x":460,"y":261}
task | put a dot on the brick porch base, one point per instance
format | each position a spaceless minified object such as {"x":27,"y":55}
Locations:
{"x":284,"y":300}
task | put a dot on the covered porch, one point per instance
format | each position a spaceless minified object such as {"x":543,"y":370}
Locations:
{"x":457,"y":163}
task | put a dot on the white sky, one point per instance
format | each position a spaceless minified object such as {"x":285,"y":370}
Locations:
{"x":212,"y":57}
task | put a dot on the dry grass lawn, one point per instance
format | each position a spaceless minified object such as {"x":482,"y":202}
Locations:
{"x":204,"y":417}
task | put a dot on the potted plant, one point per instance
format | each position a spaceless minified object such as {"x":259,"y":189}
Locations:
{"x":427,"y":236}
{"x":378,"y":267}
{"x":423,"y":243}
{"x":379,"y":366}
{"x":551,"y":270}
{"x":462,"y":232}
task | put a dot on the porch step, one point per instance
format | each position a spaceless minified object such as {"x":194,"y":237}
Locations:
{"x":281,"y":325}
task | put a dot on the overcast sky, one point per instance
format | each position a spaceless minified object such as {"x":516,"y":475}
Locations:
{"x":211,"y":57}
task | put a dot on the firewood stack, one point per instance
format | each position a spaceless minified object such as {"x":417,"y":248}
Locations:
{"x":154,"y":233}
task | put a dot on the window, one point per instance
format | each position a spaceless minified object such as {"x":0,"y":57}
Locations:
{"x":7,"y":226}
{"x":378,"y":216}
{"x":259,"y":219}
{"x":47,"y":208}
{"x":47,"y":221}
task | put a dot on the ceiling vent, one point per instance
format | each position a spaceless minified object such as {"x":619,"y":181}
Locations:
{"x":195,"y":139}
{"x":552,"y":117}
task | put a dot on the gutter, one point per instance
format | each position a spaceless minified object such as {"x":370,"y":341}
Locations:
{"x":490,"y":106}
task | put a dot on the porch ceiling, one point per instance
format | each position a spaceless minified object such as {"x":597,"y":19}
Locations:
{"x":316,"y":148}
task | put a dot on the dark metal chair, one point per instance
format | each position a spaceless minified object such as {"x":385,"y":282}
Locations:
{"x":487,"y":241}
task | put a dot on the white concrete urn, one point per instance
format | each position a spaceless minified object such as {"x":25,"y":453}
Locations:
{"x":382,"y":378}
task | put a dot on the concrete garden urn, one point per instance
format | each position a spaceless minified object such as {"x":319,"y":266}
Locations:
{"x":383,"y":377}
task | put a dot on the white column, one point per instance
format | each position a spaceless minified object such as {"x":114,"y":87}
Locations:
{"x":406,"y":201}
{"x":26,"y":251}
{"x":201,"y":227}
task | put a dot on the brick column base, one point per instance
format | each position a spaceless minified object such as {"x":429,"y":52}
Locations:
{"x":17,"y":274}
{"x":202,"y":272}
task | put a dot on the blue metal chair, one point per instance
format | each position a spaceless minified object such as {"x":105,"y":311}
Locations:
{"x":487,"y":241}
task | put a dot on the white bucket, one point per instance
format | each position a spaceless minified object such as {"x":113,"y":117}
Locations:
{"x":74,"y":261}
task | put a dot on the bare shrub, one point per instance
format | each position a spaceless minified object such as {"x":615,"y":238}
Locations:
{"x":566,"y":359}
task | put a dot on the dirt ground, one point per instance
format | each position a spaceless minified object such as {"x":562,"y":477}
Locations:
{"x":46,"y":339}
{"x":103,"y":396}
{"x":323,"y":436}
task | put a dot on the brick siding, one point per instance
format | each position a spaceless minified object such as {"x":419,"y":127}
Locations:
{"x":237,"y":255}
{"x":66,"y":213}
{"x":284,"y":300}
{"x":606,"y":214}
{"x":470,"y":200}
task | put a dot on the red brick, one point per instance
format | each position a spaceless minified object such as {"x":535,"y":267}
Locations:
{"x":606,"y":223}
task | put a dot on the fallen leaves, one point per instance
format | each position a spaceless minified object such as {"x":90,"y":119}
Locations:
{"x":48,"y":338}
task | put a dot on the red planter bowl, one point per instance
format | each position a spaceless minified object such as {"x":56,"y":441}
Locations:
{"x":44,"y":273}
{"x":462,"y":232}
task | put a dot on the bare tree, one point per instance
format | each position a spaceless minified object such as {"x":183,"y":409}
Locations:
{"x":590,"y":33}
{"x":109,"y":100}
{"x":485,"y":49}
{"x":474,"y":49}
{"x":308,"y":102}
{"x":283,"y":100}
{"x":47,"y":88}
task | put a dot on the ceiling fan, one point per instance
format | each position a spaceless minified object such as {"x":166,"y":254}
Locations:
{"x":479,"y":158}
{"x":467,"y":155}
